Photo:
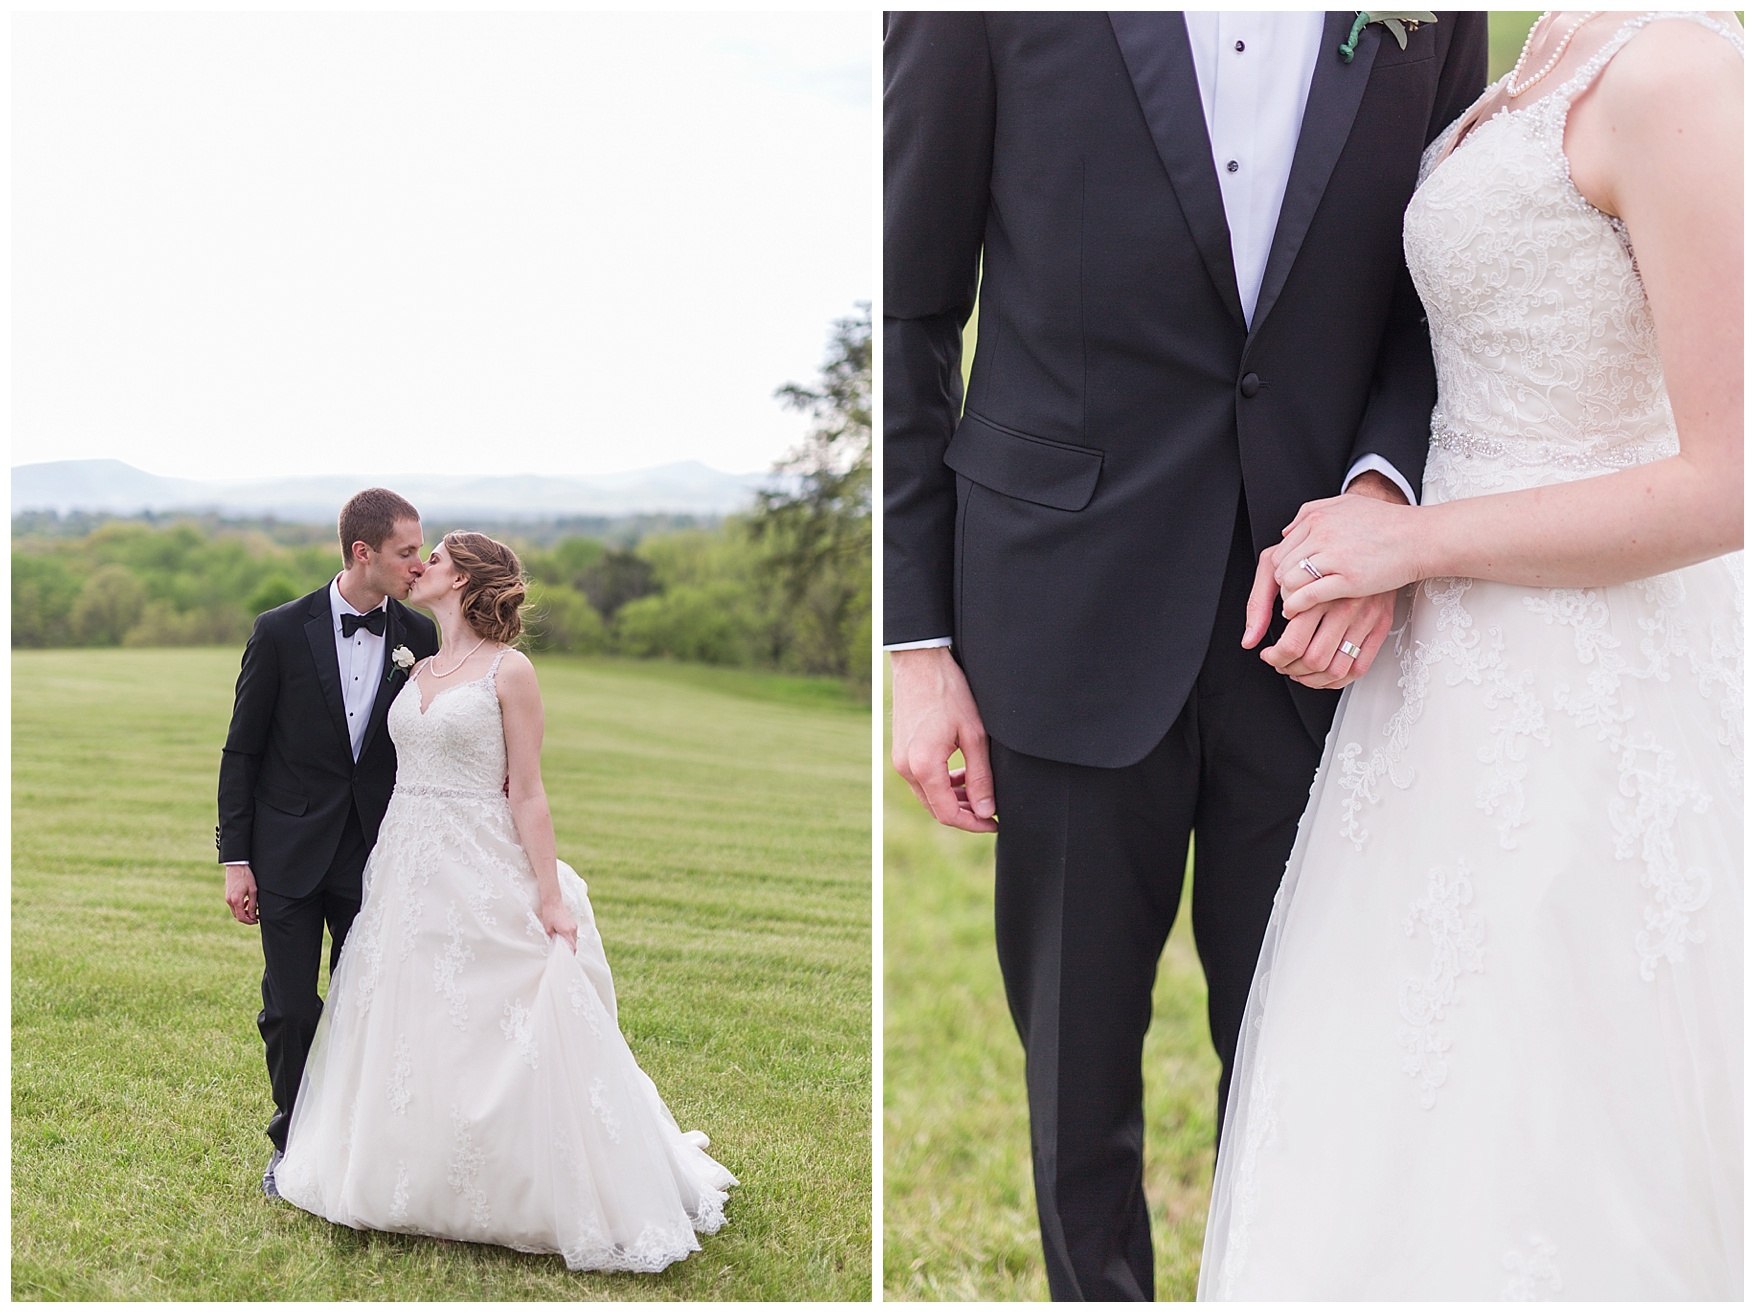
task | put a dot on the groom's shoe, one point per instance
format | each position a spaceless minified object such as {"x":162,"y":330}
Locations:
{"x":269,"y":1188}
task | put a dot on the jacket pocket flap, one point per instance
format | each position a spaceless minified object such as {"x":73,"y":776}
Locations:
{"x":1032,"y":469}
{"x":284,"y":800}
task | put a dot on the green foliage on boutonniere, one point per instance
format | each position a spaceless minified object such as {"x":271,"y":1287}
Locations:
{"x":1398,"y":22}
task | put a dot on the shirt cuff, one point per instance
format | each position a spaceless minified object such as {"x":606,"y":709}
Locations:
{"x":918,"y":643}
{"x":1383,"y":467}
{"x":234,"y":863}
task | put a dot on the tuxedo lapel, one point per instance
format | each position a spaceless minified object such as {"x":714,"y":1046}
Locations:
{"x":1160,"y":61}
{"x":320,"y":633}
{"x":1336,"y":88}
{"x":393,"y":635}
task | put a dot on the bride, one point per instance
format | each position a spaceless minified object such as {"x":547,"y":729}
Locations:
{"x":1494,"y":1043}
{"x":468,"y":1079}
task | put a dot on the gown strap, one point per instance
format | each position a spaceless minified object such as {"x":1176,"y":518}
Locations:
{"x":1587,"y":73}
{"x":494,"y":668}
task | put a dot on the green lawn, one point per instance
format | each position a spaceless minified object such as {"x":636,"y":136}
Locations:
{"x":959,"y":1205}
{"x":723,"y":821}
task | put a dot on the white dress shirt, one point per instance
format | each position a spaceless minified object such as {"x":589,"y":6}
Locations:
{"x":361,"y":661}
{"x":1254,"y":71}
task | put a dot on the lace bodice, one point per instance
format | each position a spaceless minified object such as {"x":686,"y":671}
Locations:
{"x":1546,"y":354}
{"x":457,"y":747}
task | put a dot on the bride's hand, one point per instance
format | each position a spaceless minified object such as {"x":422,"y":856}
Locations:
{"x":557,"y":920}
{"x":1361,"y":546}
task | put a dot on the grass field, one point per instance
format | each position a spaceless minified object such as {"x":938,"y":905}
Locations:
{"x":959,"y":1205}
{"x":722,"y":819}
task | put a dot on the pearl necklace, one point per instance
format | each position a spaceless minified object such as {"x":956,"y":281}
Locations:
{"x":436,"y":673}
{"x":1512,"y":90}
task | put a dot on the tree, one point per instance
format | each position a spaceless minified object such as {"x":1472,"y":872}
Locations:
{"x":44,"y":591}
{"x":559,"y":620}
{"x":564,"y":563}
{"x":818,"y":529}
{"x":692,"y":622}
{"x":275,"y":590}
{"x":615,"y":579}
{"x":109,"y":605}
{"x":162,"y":625}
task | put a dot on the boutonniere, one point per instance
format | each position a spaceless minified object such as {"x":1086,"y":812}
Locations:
{"x":401,"y":662}
{"x":1399,"y":23}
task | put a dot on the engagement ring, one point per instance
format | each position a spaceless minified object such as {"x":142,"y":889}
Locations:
{"x":1310,"y":569}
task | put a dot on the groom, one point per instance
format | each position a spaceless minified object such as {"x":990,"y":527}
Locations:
{"x":1195,"y":317}
{"x":308,"y":768}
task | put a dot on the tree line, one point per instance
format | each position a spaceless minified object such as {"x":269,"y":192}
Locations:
{"x":786,"y":586}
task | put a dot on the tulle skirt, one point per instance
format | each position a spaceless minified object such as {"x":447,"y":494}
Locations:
{"x":468,"y":1079}
{"x":1494,"y":1044}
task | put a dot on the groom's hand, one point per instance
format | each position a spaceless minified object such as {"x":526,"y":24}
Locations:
{"x":934,"y":716}
{"x":1309,"y":649}
{"x":240,"y":892}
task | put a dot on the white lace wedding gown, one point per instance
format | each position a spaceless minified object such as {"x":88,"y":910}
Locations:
{"x":1494,"y":1047}
{"x":468,"y":1079}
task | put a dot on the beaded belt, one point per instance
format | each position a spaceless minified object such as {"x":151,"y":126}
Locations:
{"x":1548,"y":455}
{"x":441,"y":791}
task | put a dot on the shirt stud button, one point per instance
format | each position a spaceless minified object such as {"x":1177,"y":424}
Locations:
{"x":1240,"y":47}
{"x":1231,"y":166}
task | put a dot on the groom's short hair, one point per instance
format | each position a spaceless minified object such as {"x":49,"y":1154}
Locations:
{"x":370,"y":517}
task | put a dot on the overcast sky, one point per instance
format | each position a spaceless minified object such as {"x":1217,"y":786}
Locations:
{"x":252,"y":244}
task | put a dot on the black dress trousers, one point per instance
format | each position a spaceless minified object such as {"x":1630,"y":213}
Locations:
{"x":292,"y":946}
{"x":1090,"y":869}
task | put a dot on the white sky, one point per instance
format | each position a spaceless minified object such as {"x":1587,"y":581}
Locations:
{"x":254,"y":244}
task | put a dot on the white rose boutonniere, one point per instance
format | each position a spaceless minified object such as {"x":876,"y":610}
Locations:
{"x":401,"y":662}
{"x":1397,"y":22}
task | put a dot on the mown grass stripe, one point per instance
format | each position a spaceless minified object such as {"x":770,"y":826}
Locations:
{"x":722,"y":821}
{"x":959,"y":1204}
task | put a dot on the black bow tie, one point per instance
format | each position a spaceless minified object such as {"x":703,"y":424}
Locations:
{"x":373,"y":621}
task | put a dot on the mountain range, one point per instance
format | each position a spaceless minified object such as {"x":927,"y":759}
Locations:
{"x":685,"y":488}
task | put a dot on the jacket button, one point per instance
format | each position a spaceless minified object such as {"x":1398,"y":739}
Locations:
{"x":1250,"y":385}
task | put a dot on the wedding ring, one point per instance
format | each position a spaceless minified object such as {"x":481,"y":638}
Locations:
{"x":1352,"y":649}
{"x":1310,"y":569}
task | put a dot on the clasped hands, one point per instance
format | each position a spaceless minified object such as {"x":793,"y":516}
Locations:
{"x":1360,"y":541}
{"x":1357,"y":543}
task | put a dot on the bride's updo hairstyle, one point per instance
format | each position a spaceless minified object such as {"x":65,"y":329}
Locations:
{"x":493,"y":599}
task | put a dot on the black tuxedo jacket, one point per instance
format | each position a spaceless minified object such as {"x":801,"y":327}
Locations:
{"x":287,"y":775}
{"x":1070,"y":526}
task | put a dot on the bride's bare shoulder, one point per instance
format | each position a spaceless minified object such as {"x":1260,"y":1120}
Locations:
{"x":1665,"y":116}
{"x":514,"y":670}
{"x":1672,"y":64}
